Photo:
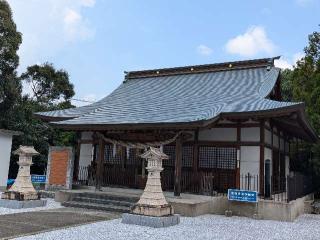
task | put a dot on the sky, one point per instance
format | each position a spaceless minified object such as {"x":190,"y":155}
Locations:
{"x":95,"y":41}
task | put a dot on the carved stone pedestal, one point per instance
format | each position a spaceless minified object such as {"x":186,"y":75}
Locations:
{"x":152,"y":202}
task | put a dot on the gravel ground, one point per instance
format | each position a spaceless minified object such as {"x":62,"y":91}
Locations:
{"x":51,"y":204}
{"x":306,"y":227}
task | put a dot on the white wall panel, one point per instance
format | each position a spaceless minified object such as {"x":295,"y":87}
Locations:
{"x":275,"y":141}
{"x":85,"y":150}
{"x":218,"y":134}
{"x":249,"y":160}
{"x":250,"y":134}
{"x":267,"y":136}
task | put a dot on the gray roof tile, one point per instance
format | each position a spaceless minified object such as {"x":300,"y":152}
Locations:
{"x":180,"y":98}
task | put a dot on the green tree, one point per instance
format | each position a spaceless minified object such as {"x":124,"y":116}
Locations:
{"x":287,"y":85}
{"x":51,"y":90}
{"x":10,"y":85}
{"x":48,"y":84}
{"x":306,"y":80}
{"x":302,"y":84}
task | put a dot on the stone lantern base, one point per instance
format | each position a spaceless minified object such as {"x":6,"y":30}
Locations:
{"x":20,"y":196}
{"x":149,"y":221}
{"x":17,"y":200}
{"x":15,"y":204}
{"x":155,"y":211}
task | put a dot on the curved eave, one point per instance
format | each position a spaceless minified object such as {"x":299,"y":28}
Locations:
{"x":129,"y":126}
{"x":302,"y":119}
{"x":298,"y":109}
{"x":51,"y":119}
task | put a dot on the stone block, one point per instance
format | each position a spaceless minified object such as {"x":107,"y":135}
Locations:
{"x":148,"y":221}
{"x":14,"y":204}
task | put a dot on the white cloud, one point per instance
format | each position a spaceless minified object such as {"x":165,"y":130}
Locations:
{"x":286,"y":63}
{"x":283,"y":63}
{"x":297,"y":56}
{"x":251,"y":43}
{"x":71,"y":17}
{"x":50,"y":26}
{"x":74,"y":26}
{"x":204,"y":50}
{"x":88,"y":3}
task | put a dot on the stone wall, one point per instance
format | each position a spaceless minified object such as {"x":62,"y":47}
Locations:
{"x":265,"y":209}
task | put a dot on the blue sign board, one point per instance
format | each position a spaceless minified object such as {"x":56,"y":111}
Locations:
{"x":38,"y":178}
{"x":34,"y":179}
{"x":10,"y":182}
{"x":242,"y":195}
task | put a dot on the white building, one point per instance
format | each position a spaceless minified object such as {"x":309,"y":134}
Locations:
{"x":5,"y":152}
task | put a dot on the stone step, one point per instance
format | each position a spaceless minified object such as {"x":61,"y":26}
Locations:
{"x":108,"y":196}
{"x":103,"y":201}
{"x":96,"y":206}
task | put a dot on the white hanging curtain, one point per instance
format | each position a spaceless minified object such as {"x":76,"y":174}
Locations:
{"x":128,"y":152}
{"x":114,"y":150}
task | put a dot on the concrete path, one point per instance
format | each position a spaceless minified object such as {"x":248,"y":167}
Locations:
{"x":20,"y":224}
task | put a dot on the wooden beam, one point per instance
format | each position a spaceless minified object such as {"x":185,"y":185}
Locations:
{"x":225,"y":143}
{"x":238,"y":134}
{"x":87,"y":141}
{"x":178,"y":166}
{"x":261,"y":172}
{"x":235,"y":125}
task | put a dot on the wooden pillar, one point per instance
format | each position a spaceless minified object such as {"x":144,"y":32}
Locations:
{"x":238,"y":157}
{"x":178,"y":166}
{"x":77,"y":158}
{"x":195,"y":162}
{"x":195,"y":151}
{"x":100,"y":163}
{"x":262,"y":144}
{"x":279,"y":144}
{"x":123,"y":156}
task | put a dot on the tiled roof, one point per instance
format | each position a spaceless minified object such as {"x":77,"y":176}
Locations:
{"x":181,"y":98}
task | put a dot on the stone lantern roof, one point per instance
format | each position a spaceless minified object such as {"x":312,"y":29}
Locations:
{"x":26,"y":150}
{"x":154,"y":153}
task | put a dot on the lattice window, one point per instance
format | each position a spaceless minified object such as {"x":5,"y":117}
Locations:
{"x":134,"y":156}
{"x":112,"y":157}
{"x":187,"y":156}
{"x":207,"y":157}
{"x":170,"y":150}
{"x":217,"y":157}
{"x":226,"y":158}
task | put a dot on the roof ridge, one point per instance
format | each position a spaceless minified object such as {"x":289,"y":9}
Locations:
{"x":215,"y":67}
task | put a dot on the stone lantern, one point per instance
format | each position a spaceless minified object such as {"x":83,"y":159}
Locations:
{"x":22,"y":190}
{"x":152,"y":209}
